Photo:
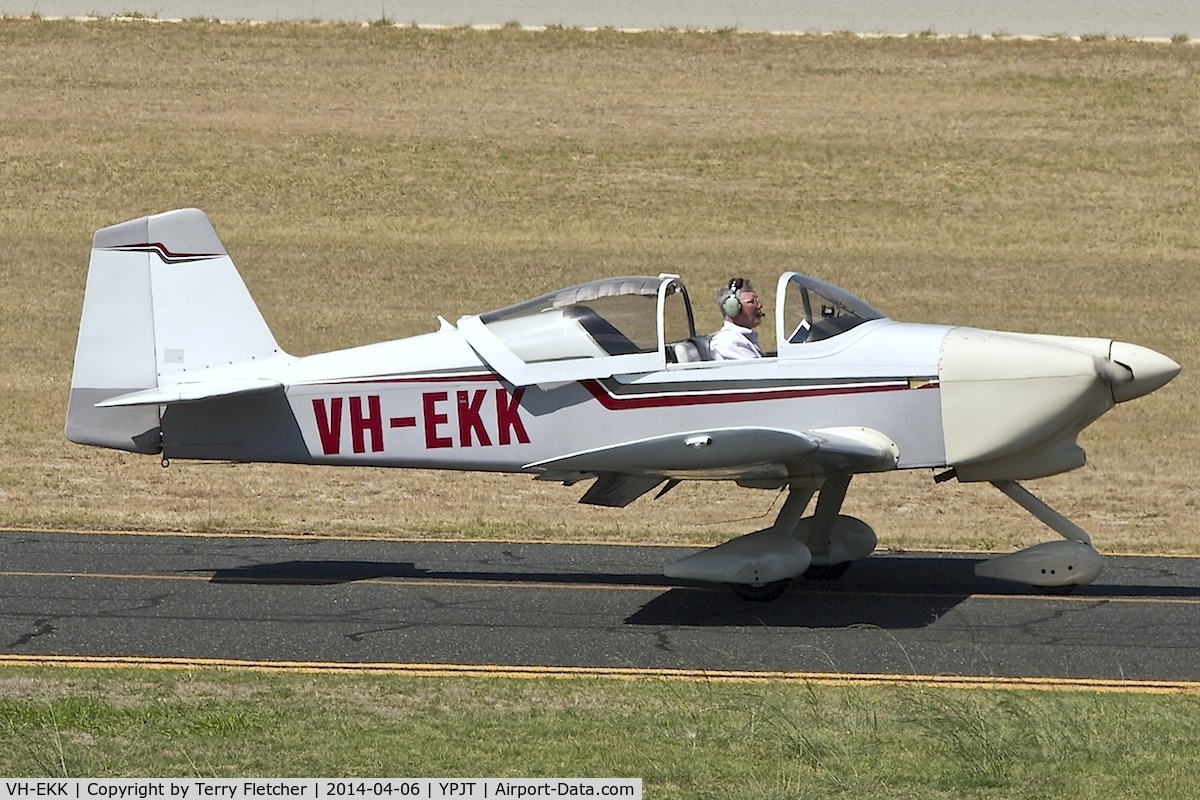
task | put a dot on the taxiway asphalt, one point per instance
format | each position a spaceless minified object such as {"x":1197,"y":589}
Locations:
{"x":517,"y":604}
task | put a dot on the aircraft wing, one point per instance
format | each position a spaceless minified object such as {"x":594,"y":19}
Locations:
{"x":742,"y":453}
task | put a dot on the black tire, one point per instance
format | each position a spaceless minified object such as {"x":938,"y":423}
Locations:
{"x":763,"y":593}
{"x":1059,"y":591}
{"x":826,"y":572}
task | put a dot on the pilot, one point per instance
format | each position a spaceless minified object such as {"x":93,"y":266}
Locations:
{"x":743,"y":312}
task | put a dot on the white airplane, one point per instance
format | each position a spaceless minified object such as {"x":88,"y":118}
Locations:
{"x":606,"y":381}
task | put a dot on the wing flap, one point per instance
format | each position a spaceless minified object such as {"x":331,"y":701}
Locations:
{"x":618,"y":491}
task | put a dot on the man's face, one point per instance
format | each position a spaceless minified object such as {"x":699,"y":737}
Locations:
{"x":751,"y":313}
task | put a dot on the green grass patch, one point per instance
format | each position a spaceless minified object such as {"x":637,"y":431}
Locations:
{"x":684,"y":739}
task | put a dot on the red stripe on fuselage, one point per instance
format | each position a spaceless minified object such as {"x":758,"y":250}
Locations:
{"x":622,"y":403}
{"x":659,"y":398}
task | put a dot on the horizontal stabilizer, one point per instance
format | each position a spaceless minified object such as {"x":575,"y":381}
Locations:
{"x":191,"y":392}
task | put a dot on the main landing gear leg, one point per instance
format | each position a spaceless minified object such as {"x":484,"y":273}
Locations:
{"x":761,"y":565}
{"x":1058,"y":566}
{"x":819,"y":533}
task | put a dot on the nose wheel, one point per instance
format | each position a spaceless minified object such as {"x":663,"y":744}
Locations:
{"x":1059,"y":591}
{"x":1056,"y":567}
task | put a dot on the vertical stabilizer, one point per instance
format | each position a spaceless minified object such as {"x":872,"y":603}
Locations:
{"x":163,"y":304}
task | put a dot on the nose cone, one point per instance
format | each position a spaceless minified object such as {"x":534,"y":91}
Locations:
{"x":1007,"y":394}
{"x":1148,"y":371}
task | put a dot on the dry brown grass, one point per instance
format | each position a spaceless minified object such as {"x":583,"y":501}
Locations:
{"x":365,"y":180}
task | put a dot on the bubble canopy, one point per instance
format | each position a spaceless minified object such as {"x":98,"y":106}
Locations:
{"x":637,"y":324}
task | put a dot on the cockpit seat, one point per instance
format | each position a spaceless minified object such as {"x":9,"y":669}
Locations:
{"x":689,"y":351}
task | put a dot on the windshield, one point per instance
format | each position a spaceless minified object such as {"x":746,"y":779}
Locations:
{"x":809,"y":310}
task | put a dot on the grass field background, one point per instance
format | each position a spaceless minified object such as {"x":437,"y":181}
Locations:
{"x":686,"y":740}
{"x":368,"y":179}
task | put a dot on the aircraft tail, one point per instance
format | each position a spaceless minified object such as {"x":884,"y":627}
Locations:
{"x":163,"y":305}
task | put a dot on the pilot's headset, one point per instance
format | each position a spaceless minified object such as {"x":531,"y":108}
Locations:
{"x":731,"y":306}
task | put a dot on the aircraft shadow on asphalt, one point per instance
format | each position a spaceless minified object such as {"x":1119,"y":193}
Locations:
{"x":826,"y":604}
{"x":877,"y":593}
{"x":890,"y":592}
{"x":323,"y":573}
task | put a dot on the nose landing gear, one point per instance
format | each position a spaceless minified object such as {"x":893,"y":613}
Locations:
{"x":1057,"y":566}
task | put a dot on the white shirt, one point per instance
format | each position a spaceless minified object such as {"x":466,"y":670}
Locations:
{"x":733,"y":342}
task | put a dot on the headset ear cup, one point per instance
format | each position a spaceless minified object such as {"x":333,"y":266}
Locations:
{"x":732,"y":305}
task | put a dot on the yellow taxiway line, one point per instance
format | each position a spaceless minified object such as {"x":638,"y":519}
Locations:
{"x":607,"y":673}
